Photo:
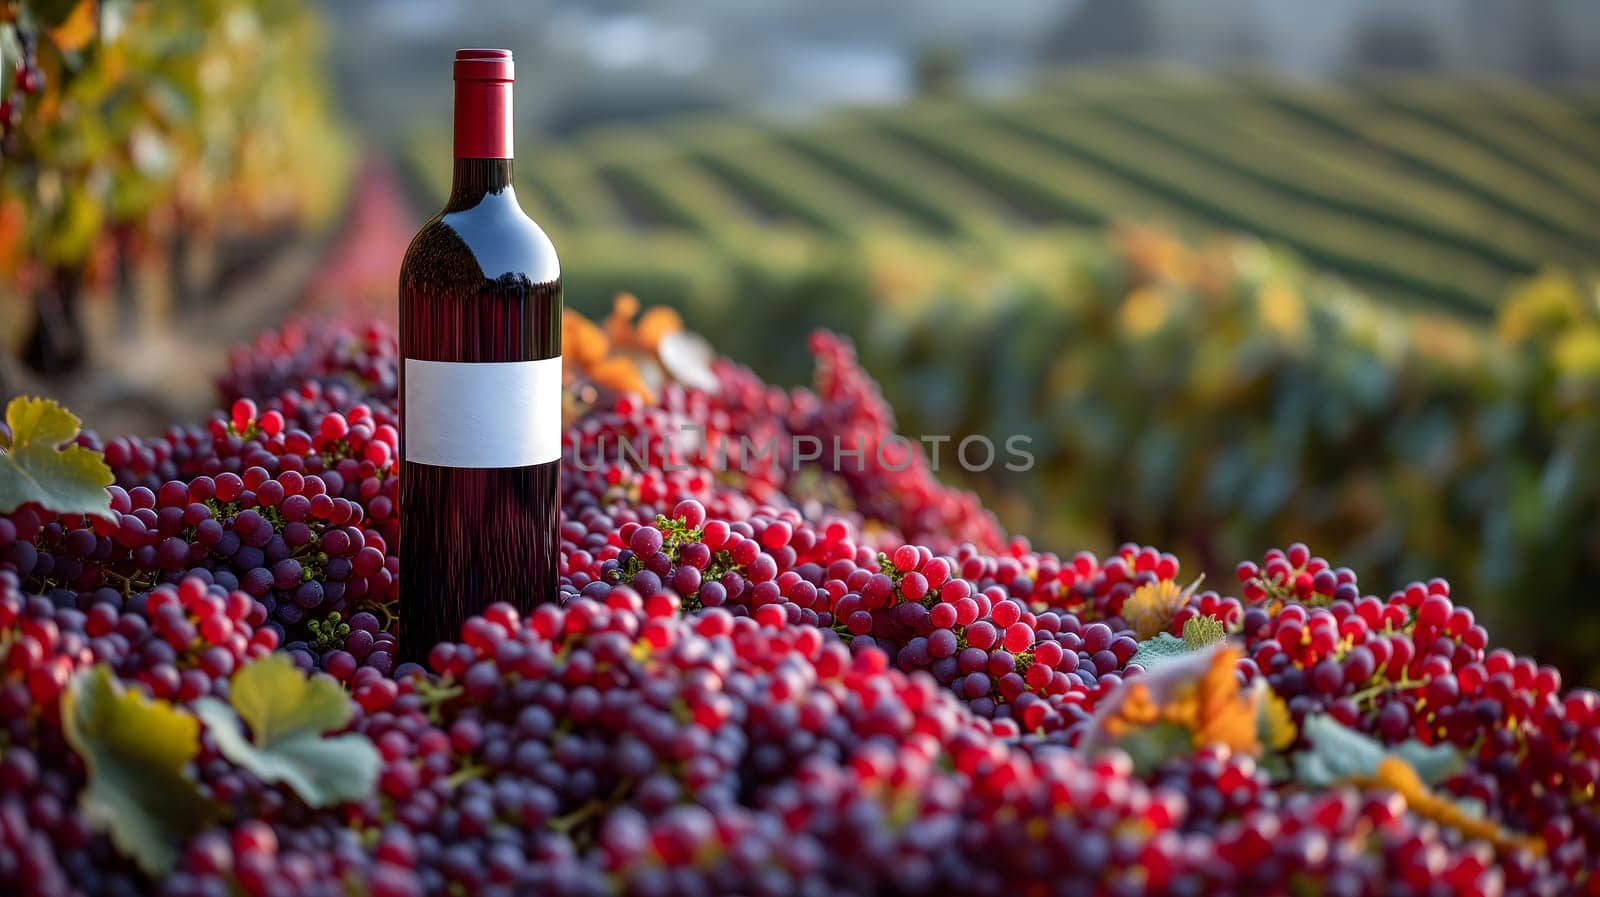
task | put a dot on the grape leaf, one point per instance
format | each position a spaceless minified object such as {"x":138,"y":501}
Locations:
{"x":1339,"y":753}
{"x":688,"y":358}
{"x":34,"y":467}
{"x":1202,"y":631}
{"x":287,"y":714}
{"x":1163,"y":648}
{"x":137,"y":751}
{"x":1154,"y":745}
{"x":75,"y":31}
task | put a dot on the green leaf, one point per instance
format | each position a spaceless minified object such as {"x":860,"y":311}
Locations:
{"x":1200,"y":632}
{"x":1154,"y":745}
{"x":1339,"y":753}
{"x":1162,"y":649}
{"x":287,"y":714}
{"x":34,"y":467}
{"x":137,"y":751}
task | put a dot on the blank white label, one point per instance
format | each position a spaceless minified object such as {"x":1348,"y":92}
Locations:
{"x":482,"y":414}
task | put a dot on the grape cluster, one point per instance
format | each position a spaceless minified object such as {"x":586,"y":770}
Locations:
{"x":354,"y":356}
{"x":809,"y":678}
{"x":714,"y":754}
{"x":977,"y":623}
{"x":281,"y":540}
{"x":292,"y":502}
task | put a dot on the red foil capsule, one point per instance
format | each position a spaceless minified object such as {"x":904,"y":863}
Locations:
{"x":483,"y":104}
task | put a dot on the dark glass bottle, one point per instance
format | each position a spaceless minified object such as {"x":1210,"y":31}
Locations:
{"x":480,"y":384}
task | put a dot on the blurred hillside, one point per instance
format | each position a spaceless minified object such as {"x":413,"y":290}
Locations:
{"x":585,"y":63}
{"x":1427,"y":193}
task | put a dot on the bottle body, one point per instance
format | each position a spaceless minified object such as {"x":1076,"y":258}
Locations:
{"x":480,"y":393}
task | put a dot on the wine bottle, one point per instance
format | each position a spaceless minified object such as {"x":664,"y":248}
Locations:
{"x":480,"y":384}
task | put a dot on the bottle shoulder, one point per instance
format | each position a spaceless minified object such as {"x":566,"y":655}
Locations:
{"x":495,"y":237}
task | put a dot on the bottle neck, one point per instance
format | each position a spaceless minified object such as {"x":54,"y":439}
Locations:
{"x":473,"y":179}
{"x":482,"y":140}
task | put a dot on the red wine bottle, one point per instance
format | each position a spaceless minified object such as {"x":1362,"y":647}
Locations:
{"x":480,"y":384}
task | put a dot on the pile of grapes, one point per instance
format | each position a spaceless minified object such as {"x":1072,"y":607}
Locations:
{"x":808,"y":676}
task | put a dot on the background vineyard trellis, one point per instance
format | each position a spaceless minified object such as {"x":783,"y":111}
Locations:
{"x":1388,"y":185}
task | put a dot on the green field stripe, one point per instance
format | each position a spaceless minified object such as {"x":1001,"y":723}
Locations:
{"x":1558,"y":116}
{"x":1211,"y":135}
{"x":1564,"y":124}
{"x":656,"y":172}
{"x":539,"y":199}
{"x":1585,"y":102}
{"x":753,"y":162}
{"x":576,"y":188}
{"x":1435,"y":152}
{"x":1402,"y":185}
{"x":1239,"y":102}
{"x":943,"y":174}
{"x":1344,"y":242}
{"x":1022,"y":171}
{"x":1505,"y":137}
{"x":882,"y":168}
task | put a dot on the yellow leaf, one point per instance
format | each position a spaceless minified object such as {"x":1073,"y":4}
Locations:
{"x":1151,"y":607}
{"x":1275,"y":725}
{"x":1144,"y":311}
{"x":1399,"y":776}
{"x":1282,"y":312}
{"x":79,"y":27}
{"x":277,"y":700}
{"x":34,"y":466}
{"x":137,"y":752}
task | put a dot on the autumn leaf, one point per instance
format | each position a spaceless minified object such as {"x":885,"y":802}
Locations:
{"x":582,"y":342}
{"x":1225,"y":713}
{"x":1396,"y":774}
{"x":78,"y":28}
{"x":654,"y":326}
{"x":137,"y":752}
{"x":37,"y":466}
{"x":1193,"y":693}
{"x":1274,"y":724}
{"x":1152,"y":607}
